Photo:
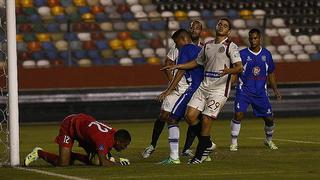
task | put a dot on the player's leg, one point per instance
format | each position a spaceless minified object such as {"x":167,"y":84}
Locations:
{"x":195,"y":106}
{"x":262,"y":108}
{"x":213,"y":105}
{"x":156,"y":132}
{"x":64,"y":156}
{"x":173,"y":139}
{"x":80,"y":157}
{"x":235,"y":126}
{"x":205,"y":145}
{"x":269,"y":130}
{"x":158,"y":128}
{"x":190,"y":136}
{"x":166,"y":108}
{"x":240,"y":107}
{"x":177,"y":113}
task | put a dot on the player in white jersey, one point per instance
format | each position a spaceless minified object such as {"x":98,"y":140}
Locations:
{"x":220,"y":59}
{"x":172,"y":96}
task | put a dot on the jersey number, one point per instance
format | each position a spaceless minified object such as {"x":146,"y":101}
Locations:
{"x":214,"y":104}
{"x":66,"y":139}
{"x":100,"y":126}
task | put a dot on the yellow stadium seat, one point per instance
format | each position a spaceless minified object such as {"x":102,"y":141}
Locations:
{"x":130,"y":44}
{"x":115,"y":44}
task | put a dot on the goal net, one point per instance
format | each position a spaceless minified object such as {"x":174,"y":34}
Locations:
{"x":4,"y":128}
{"x":9,"y":124}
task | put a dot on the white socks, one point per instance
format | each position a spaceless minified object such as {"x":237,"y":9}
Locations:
{"x":235,"y":130}
{"x":174,"y":135}
{"x":269,"y":132}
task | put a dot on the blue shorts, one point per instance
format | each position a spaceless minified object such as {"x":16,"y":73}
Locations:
{"x":261,"y":105}
{"x":179,"y":109}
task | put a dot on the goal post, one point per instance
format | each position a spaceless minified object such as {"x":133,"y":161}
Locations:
{"x":13,"y":84}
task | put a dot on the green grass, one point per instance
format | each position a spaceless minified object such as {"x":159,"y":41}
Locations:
{"x":293,"y":160}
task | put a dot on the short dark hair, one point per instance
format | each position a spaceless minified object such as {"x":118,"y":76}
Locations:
{"x":228,"y":20}
{"x":179,"y":33}
{"x":196,"y":21}
{"x":122,"y":135}
{"x":255,"y":30}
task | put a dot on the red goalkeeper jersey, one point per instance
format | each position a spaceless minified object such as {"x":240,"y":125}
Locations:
{"x":93,"y":135}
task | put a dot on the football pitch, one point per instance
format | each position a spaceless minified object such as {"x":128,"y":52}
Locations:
{"x":298,"y":156}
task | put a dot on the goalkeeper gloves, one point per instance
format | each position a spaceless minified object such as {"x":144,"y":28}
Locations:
{"x":124,"y":161}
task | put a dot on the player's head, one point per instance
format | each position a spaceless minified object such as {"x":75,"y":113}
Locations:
{"x":181,"y":37}
{"x":195,"y":30}
{"x":223,"y":27}
{"x":122,"y":139}
{"x":254,"y":38}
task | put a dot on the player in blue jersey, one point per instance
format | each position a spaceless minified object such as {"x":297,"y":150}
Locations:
{"x":168,"y":103}
{"x":187,"y":52}
{"x":258,"y":69}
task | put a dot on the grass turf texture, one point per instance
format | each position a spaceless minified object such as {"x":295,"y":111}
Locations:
{"x":293,"y":160}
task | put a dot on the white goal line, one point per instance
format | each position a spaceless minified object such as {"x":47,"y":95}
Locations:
{"x":51,"y":173}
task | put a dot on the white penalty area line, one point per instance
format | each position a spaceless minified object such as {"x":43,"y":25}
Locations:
{"x":289,"y":140}
{"x":51,"y":173}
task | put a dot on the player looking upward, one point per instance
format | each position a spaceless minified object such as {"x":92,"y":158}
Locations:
{"x":220,"y":58}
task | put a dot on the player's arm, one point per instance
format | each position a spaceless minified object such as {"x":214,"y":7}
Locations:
{"x":273,"y":84}
{"x":168,"y":72}
{"x":236,"y":69}
{"x":103,"y":160}
{"x":234,"y":79}
{"x":173,"y":84}
{"x":189,"y":65}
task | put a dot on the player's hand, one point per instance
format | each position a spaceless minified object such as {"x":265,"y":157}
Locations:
{"x":169,"y":67}
{"x":278,"y":95}
{"x":224,"y":71}
{"x":110,"y":157}
{"x":124,"y":161}
{"x":163,"y":95}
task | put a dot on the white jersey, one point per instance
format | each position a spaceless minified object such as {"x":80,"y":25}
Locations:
{"x":173,"y":56}
{"x":213,"y":57}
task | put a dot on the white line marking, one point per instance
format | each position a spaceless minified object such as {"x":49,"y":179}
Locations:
{"x":51,"y":173}
{"x":289,"y":140}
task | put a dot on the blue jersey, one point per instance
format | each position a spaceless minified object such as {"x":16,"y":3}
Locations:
{"x":193,"y":76}
{"x":256,"y":67}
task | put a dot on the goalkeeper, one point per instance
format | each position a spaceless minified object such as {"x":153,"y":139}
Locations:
{"x":93,"y":137}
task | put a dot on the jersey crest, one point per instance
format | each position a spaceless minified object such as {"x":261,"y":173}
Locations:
{"x":256,"y":71}
{"x":221,"y":49}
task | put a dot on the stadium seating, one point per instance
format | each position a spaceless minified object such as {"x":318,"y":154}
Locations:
{"x":132,"y":32}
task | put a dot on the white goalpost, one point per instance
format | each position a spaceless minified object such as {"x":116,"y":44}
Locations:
{"x":13,"y":84}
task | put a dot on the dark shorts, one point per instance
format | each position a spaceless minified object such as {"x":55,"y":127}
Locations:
{"x":260,"y":105}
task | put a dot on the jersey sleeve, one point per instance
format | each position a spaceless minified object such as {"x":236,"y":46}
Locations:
{"x":271,"y":66}
{"x":173,"y":53}
{"x":201,"y":56}
{"x":234,"y":53}
{"x":188,"y":53}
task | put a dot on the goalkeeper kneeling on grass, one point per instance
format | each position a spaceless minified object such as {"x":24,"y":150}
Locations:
{"x":96,"y":138}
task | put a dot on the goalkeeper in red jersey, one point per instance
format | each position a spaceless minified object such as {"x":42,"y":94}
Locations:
{"x":93,"y":136}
